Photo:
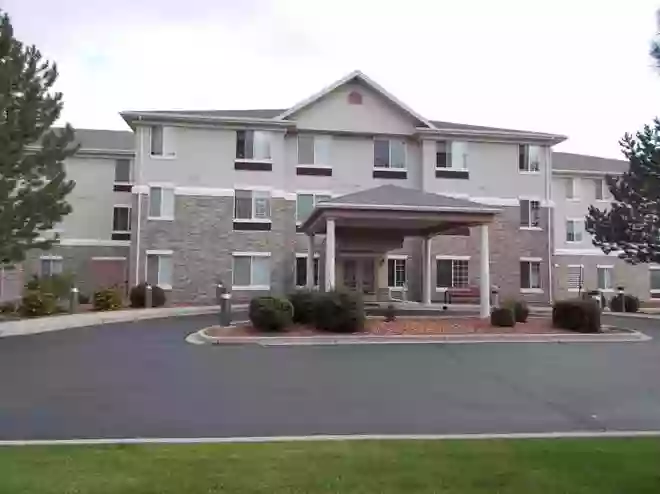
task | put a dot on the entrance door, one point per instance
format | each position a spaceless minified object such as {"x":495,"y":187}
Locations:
{"x":359,"y":275}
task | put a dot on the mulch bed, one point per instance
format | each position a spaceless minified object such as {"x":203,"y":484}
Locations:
{"x":410,"y":326}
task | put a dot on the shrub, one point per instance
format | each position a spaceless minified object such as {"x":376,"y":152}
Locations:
{"x":576,"y":315}
{"x":83,"y":299}
{"x":7,"y":308}
{"x":519,"y":308}
{"x":138,"y":296}
{"x":107,"y":299}
{"x":35,"y":303}
{"x":624,"y":303}
{"x":59,"y":285}
{"x":390,"y":313}
{"x":339,"y":312}
{"x":503,"y":317}
{"x":303,"y":302}
{"x":270,"y":314}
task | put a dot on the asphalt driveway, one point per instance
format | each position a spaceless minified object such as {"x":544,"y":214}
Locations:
{"x":143,"y":380}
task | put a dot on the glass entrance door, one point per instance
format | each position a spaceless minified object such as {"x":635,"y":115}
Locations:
{"x":359,"y":274}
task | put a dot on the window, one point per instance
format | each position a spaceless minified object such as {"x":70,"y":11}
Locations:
{"x":451,"y":155}
{"x":529,"y":158}
{"x":451,"y":273}
{"x":396,"y":273}
{"x":575,"y":277}
{"x":574,"y":230}
{"x":389,"y":153}
{"x":121,"y":223}
{"x":161,"y":203}
{"x":50,"y":265}
{"x":122,"y":175}
{"x":252,"y":205}
{"x":305,"y":204}
{"x":354,"y":98}
{"x":161,"y":141}
{"x":530,"y":275}
{"x":251,"y":271}
{"x":301,"y":270}
{"x":159,"y":269}
{"x":605,"y":277}
{"x":654,"y":275}
{"x":571,"y":188}
{"x":530,"y":213}
{"x":253,"y":145}
{"x":156,"y":140}
{"x":314,"y":150}
{"x":599,"y":189}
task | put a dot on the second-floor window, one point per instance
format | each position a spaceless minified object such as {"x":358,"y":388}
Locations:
{"x":451,"y":155}
{"x":314,"y":150}
{"x":161,"y":141}
{"x":389,"y":153}
{"x":529,"y":158}
{"x":253,"y":145}
{"x":252,"y":205}
{"x":530,"y":213}
{"x":121,"y":223}
{"x":530,"y":275}
{"x":605,"y":277}
{"x":599,"y":189}
{"x":574,"y":230}
{"x":122,"y":175}
{"x":305,"y":204}
{"x":571,"y":188}
{"x":161,"y":203}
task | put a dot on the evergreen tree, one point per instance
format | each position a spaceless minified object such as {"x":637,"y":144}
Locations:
{"x":632,"y":223}
{"x":33,"y":184}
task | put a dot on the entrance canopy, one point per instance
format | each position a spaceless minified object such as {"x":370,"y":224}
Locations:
{"x":400,"y":211}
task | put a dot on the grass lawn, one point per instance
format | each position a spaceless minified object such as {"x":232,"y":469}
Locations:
{"x":572,"y":466}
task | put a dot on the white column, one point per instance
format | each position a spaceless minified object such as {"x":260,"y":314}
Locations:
{"x":484,"y":274}
{"x":330,"y":255}
{"x":309,"y":282}
{"x":426,"y":276}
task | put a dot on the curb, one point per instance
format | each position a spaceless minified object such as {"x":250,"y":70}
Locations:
{"x":69,"y":321}
{"x":202,"y":337}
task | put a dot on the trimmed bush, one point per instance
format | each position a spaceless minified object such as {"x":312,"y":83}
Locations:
{"x":138,"y":296}
{"x":579,"y":315}
{"x":624,"y":303}
{"x":107,"y":299}
{"x":303,"y":302}
{"x":35,"y":303}
{"x":270,"y":314}
{"x":83,"y":299}
{"x":519,"y":308}
{"x":59,"y":285}
{"x":339,"y":312}
{"x":503,"y":317}
{"x":8,"y":308}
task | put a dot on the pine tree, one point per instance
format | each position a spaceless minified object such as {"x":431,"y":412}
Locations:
{"x":632,"y":224}
{"x":33,"y":184}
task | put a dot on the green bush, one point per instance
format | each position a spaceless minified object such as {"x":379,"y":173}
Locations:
{"x":339,"y":312}
{"x":107,"y":299}
{"x":8,"y":308}
{"x":519,"y":308}
{"x":303,"y":302}
{"x":270,"y":314}
{"x":580,"y":315}
{"x":138,"y":296}
{"x":502,"y":317}
{"x":589,"y":295}
{"x":83,"y":299}
{"x":59,"y":285}
{"x":624,"y":303}
{"x":35,"y":303}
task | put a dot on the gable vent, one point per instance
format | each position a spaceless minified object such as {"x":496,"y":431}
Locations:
{"x":354,"y":98}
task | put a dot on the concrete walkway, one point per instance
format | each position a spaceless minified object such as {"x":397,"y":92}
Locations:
{"x":67,"y":321}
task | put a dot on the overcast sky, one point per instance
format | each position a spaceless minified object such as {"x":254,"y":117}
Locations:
{"x":574,"y":67}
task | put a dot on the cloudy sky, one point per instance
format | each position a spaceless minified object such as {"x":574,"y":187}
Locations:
{"x":575,"y":67}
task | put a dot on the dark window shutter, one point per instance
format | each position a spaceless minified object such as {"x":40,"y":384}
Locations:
{"x":390,"y":272}
{"x":522,"y":151}
{"x":443,"y":273}
{"x":524,"y":213}
{"x":301,"y":271}
{"x":524,"y":275}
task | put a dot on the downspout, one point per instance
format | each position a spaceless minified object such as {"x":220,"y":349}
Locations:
{"x":139,"y":202}
{"x":551,"y":215}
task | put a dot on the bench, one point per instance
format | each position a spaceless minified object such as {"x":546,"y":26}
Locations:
{"x":462,"y":295}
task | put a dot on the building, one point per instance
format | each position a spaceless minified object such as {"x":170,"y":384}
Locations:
{"x":193,"y":197}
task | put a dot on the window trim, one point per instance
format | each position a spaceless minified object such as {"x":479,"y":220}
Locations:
{"x":530,"y":261}
{"x":396,"y":258}
{"x":529,"y":200}
{"x":582,"y":231}
{"x":255,"y":160}
{"x":440,"y":257}
{"x":574,"y":187}
{"x":159,"y":253}
{"x":121,"y":206}
{"x":526,"y":170}
{"x":314,"y":194}
{"x":51,"y":258}
{"x":653,"y":268}
{"x":123,"y":186}
{"x":254,"y":197}
{"x":326,"y":166}
{"x":304,"y":255}
{"x":581,"y":266}
{"x":603,"y":190}
{"x":162,"y":187}
{"x":162,"y":156}
{"x":251,"y":255}
{"x":389,"y":168}
{"x":609,"y":267}
{"x":450,"y":168}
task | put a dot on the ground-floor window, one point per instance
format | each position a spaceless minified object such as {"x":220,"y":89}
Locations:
{"x":575,"y":277}
{"x":530,"y":275}
{"x":50,"y":265}
{"x":452,"y":273}
{"x":251,"y":271}
{"x":605,"y":275}
{"x":159,"y":269}
{"x":301,"y":270}
{"x":396,"y":273}
{"x":654,"y":274}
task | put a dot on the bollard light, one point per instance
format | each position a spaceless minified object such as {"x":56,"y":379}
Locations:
{"x":148,"y":296}
{"x":74,"y":299}
{"x":223,"y":298}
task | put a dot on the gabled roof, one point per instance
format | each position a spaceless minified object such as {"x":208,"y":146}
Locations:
{"x":356,"y":75}
{"x":395,"y":197}
{"x":257,"y":113}
{"x":584,"y":164}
